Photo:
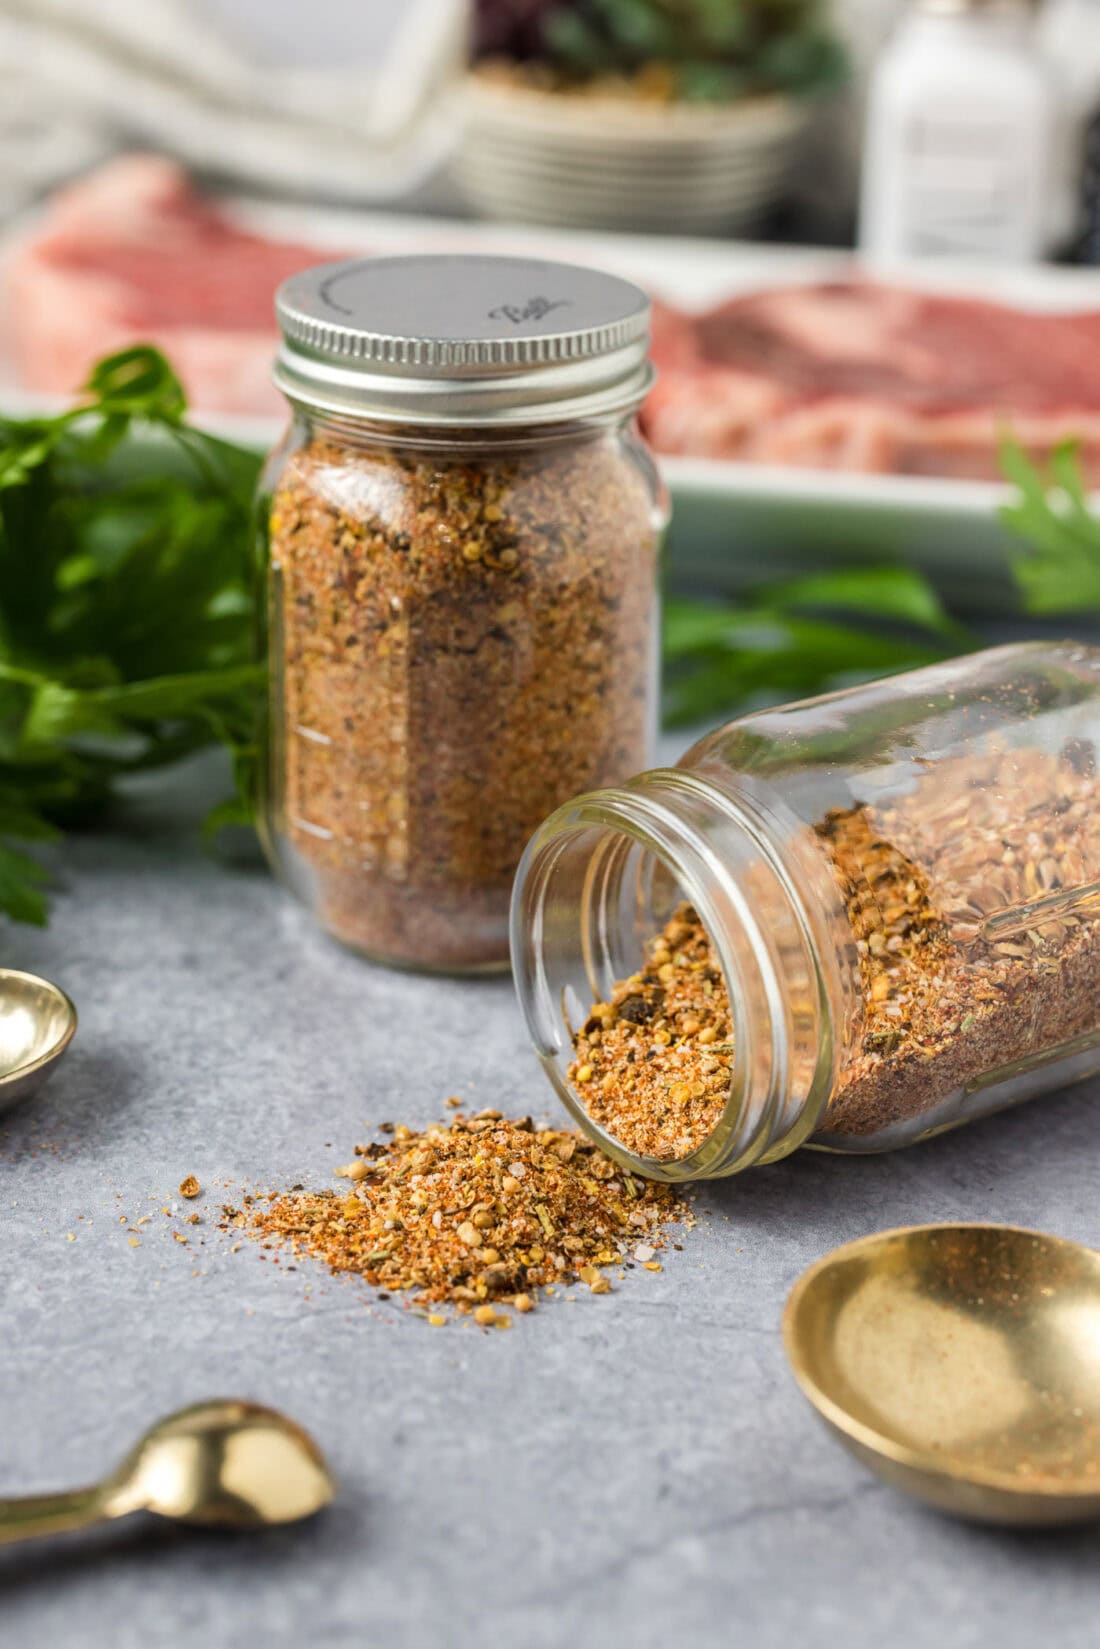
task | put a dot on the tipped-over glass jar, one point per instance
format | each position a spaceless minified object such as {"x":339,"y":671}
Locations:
{"x":852,"y":922}
{"x":461,"y":532}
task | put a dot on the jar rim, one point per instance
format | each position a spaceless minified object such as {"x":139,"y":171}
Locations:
{"x":754,"y":1124}
{"x":464,"y":438}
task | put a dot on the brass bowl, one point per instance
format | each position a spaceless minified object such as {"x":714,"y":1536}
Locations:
{"x":962,"y":1364}
{"x":37,"y":1023}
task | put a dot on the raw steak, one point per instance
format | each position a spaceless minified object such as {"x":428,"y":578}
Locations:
{"x":854,"y":375}
{"x":847,"y":375}
{"x":131,"y":253}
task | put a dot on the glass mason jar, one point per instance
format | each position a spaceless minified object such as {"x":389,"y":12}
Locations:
{"x":851,"y":922}
{"x":461,"y":532}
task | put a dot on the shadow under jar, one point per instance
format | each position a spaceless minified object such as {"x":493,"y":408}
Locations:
{"x":851,"y":922}
{"x":462,"y":536}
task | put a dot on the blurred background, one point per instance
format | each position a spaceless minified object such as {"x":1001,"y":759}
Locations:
{"x":870,"y":231}
{"x":871,"y":228}
{"x":689,"y":115}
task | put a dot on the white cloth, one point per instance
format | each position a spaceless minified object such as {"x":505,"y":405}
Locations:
{"x":80,"y":77}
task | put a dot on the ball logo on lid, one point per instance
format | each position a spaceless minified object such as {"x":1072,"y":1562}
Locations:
{"x":533,"y":310}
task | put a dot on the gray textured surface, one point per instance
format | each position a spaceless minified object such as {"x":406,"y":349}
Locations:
{"x":630,"y":1470}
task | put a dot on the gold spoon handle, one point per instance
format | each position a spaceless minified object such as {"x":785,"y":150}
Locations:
{"x":40,"y":1514}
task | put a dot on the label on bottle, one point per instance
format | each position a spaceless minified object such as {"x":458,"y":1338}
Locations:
{"x":961,"y":182}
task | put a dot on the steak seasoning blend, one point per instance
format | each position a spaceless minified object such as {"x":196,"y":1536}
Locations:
{"x":855,"y":921}
{"x":462,"y":538}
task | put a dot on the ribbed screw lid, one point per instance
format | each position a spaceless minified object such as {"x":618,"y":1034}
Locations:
{"x":462,"y":339}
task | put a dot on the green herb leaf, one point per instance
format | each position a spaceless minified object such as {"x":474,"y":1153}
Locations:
{"x":126,"y":602}
{"x":891,"y":593}
{"x":696,"y":50}
{"x":21,"y":879}
{"x":1059,"y":570}
{"x":802,"y":636}
{"x":137,"y":383}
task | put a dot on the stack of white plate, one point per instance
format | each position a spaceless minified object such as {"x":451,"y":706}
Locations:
{"x":615,"y":163}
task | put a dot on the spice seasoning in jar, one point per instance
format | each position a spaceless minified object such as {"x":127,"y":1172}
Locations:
{"x":463,"y":537}
{"x":862,"y":971}
{"x":652,"y":1064}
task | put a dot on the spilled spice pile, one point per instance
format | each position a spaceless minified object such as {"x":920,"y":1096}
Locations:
{"x":971,"y":951}
{"x":652,"y":1065}
{"x":464,"y":643}
{"x":477,"y":1215}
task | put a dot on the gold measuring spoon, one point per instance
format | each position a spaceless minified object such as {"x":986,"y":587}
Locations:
{"x":37,"y":1023}
{"x":962,"y":1364}
{"x":227,"y":1465}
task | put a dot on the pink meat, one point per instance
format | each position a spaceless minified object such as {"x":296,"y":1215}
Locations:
{"x":853,"y":375}
{"x":674,"y":339}
{"x":841,"y":375}
{"x":131,"y":254}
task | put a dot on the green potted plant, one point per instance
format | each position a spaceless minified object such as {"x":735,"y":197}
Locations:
{"x":646,"y":114}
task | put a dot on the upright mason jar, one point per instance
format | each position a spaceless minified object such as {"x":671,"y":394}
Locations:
{"x":851,"y":922}
{"x":462,"y":530}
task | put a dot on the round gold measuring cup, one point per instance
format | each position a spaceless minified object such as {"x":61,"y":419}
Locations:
{"x":962,"y":1364}
{"x":37,"y":1023}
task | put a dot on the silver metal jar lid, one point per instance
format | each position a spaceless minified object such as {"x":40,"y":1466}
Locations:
{"x":462,"y":340}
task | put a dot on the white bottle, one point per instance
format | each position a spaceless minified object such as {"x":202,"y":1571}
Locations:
{"x":1068,"y":32}
{"x":958,"y":136}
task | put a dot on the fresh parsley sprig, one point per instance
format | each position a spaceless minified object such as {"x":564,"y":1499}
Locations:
{"x":811,"y":633}
{"x":1057,"y":569}
{"x":126,"y":597}
{"x":803,"y":636}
